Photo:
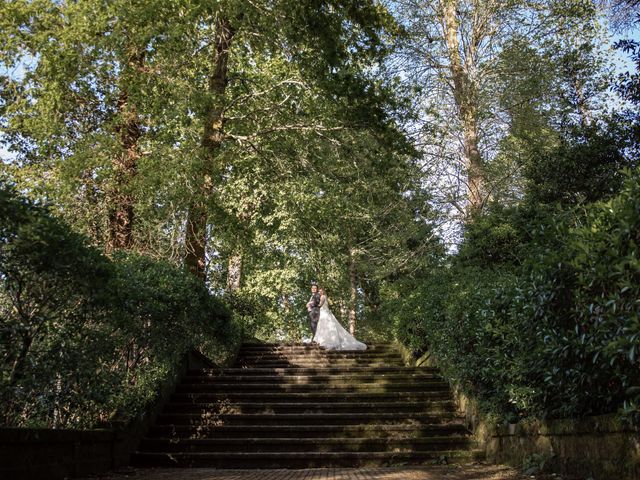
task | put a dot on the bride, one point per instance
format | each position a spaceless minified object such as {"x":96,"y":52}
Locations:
{"x":329,"y":333}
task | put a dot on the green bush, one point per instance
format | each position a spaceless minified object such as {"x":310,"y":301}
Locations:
{"x":556,"y":334}
{"x":588,"y":305}
{"x":498,"y":238}
{"x":470,"y":321}
{"x":160,"y":312}
{"x":85,"y":339}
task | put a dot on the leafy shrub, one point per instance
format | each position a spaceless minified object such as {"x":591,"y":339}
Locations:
{"x":84,"y":338}
{"x":50,"y":306}
{"x":468,"y":320}
{"x":420,"y":311}
{"x":589,"y":304}
{"x":556,"y":336}
{"x":499,"y":238}
{"x":160,"y":313}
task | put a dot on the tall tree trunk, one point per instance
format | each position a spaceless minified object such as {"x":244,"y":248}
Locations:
{"x":371,"y":291}
{"x":212,"y":138}
{"x":465,"y":96}
{"x":234,"y":273}
{"x":20,"y":363}
{"x":121,"y":214}
{"x":352,"y":291}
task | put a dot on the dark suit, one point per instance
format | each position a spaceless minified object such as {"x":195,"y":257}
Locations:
{"x":314,"y":313}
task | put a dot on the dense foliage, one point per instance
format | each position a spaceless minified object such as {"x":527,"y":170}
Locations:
{"x":459,"y":174}
{"x":551,"y":329}
{"x":86,"y":339}
{"x":536,"y":313}
{"x":256,"y":140}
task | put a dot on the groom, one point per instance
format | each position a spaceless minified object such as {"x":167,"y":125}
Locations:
{"x":313,"y":307}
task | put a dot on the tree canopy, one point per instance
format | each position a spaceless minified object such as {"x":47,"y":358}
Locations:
{"x":383,"y":149}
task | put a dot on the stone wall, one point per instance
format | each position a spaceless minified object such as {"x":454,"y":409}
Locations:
{"x":601,"y":447}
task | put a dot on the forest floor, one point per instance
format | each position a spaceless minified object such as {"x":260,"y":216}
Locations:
{"x":446,"y":472}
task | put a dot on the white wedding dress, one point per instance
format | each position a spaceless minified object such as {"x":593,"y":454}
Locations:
{"x":331,"y":335}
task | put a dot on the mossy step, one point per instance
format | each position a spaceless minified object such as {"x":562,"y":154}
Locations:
{"x":311,"y":387}
{"x":292,"y":370}
{"x":320,"y":358}
{"x":370,"y":346}
{"x":305,"y":418}
{"x":311,"y":397}
{"x":318,"y":353}
{"x":302,"y":459}
{"x":314,"y":354}
{"x":250,"y":445}
{"x":308,"y":431}
{"x":307,"y":379}
{"x":315,"y":364}
{"x":298,"y":406}
{"x":318,"y":350}
{"x":316,"y":357}
{"x":434,"y":406}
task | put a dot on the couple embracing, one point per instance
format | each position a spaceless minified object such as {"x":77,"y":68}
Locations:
{"x":327,"y":331}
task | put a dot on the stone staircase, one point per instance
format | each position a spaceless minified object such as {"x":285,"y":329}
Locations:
{"x":299,"y":406}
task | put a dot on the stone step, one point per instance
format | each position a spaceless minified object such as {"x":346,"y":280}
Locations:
{"x":211,"y":419}
{"x":312,"y":387}
{"x":367,"y":355}
{"x":320,"y":360}
{"x":324,"y":355}
{"x":301,"y":459}
{"x":314,"y":445}
{"x":318,"y":365}
{"x":299,"y":406}
{"x":357,"y":370}
{"x":308,"y":379}
{"x":311,"y":346}
{"x":308,"y":431}
{"x":434,"y":406}
{"x":320,"y":354}
{"x":311,"y":397}
{"x":311,"y":364}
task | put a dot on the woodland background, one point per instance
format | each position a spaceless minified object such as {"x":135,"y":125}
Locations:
{"x":460,"y":174}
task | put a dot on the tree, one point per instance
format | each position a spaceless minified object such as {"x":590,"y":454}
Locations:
{"x":178,"y":103}
{"x":323,"y":38}
{"x":77,"y":112}
{"x":623,"y":14}
{"x":453,"y":52}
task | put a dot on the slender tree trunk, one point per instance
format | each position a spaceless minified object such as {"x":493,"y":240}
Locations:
{"x":465,"y":96}
{"x":371,"y":293}
{"x":234,"y":273}
{"x":17,"y":369}
{"x":195,"y":258}
{"x":212,"y":138}
{"x":91,"y":197}
{"x":57,"y":417}
{"x":121,"y":214}
{"x":352,"y":291}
